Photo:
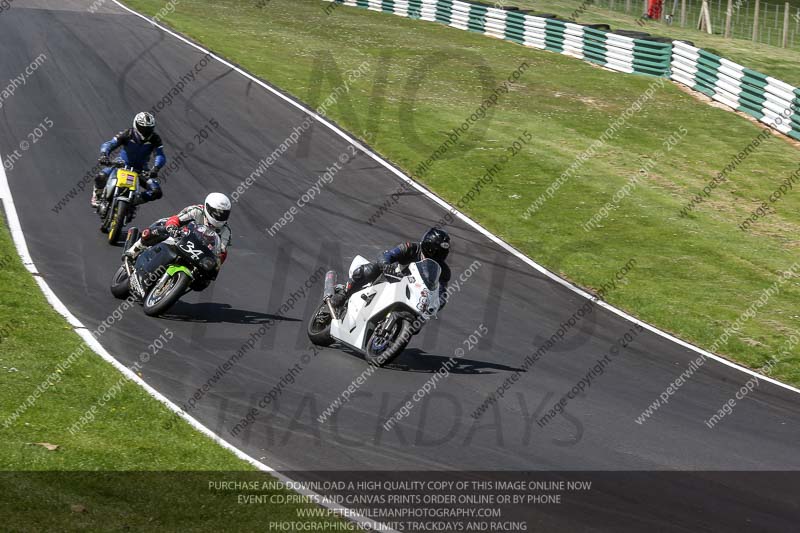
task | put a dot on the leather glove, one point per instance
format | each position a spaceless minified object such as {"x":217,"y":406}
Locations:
{"x":173,"y":225}
{"x":174,"y":231}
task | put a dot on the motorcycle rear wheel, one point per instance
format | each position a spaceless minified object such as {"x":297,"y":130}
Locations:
{"x":319,"y":326}
{"x":165,"y":293}
{"x":381,"y":350}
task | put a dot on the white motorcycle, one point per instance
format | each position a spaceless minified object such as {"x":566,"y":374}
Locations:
{"x":380,"y":319}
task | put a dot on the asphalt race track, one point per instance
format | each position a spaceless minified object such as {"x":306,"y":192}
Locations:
{"x":101,"y":68}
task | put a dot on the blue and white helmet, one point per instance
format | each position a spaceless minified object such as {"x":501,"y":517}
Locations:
{"x":144,"y":123}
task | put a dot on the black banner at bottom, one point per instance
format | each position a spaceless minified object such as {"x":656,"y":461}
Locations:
{"x":400,"y":501}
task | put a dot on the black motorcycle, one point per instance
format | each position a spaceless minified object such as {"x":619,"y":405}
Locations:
{"x":116,"y":205}
{"x":185,"y":260}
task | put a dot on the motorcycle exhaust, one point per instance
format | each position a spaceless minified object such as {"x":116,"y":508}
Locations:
{"x":330,"y":283}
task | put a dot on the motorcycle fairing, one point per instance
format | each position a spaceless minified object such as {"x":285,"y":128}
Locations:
{"x":174,"y":269}
{"x":373,"y":303}
{"x":127,"y":179}
{"x":151,"y":260}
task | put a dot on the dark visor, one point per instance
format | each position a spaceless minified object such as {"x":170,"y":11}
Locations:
{"x":218,"y":214}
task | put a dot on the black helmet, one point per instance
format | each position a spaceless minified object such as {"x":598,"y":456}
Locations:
{"x":435,"y":244}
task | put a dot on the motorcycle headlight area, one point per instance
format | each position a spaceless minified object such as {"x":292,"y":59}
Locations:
{"x":208,"y":264}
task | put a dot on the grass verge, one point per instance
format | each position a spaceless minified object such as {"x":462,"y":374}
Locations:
{"x":71,"y":487}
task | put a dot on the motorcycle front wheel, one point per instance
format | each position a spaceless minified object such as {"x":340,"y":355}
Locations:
{"x":165,"y":293}
{"x":117,"y":222}
{"x":121,"y":283}
{"x":384,"y":347}
{"x":319,"y":326}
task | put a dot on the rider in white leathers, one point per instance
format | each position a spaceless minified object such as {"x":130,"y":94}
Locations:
{"x":213,"y":213}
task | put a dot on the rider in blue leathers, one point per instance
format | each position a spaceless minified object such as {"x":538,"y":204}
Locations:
{"x":137,"y":144}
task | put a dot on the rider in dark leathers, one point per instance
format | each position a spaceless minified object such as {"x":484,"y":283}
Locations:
{"x":435,"y":244}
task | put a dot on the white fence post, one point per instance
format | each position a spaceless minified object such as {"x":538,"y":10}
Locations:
{"x":755,"y":21}
{"x":728,"y":16}
{"x":785,"y":25}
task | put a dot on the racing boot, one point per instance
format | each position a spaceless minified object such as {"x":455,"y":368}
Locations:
{"x":135,"y":249}
{"x":96,"y":197}
{"x":361,"y":276}
{"x":340,"y":296}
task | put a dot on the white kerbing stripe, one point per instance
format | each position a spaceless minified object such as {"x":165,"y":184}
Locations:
{"x":510,"y":249}
{"x":684,"y":68}
{"x":459,"y":16}
{"x":401,"y":9}
{"x":496,"y":23}
{"x":83,"y":332}
{"x":574,"y":40}
{"x":427,"y":10}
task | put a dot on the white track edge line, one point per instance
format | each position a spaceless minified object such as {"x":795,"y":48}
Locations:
{"x":22,"y":249}
{"x":524,"y":258}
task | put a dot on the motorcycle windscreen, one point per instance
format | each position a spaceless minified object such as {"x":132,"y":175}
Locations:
{"x":209,"y":239}
{"x":429,"y":271}
{"x":201,"y":246}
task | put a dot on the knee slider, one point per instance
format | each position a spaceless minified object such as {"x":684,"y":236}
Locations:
{"x":358,"y":274}
{"x":371,"y":272}
{"x":153,"y":191}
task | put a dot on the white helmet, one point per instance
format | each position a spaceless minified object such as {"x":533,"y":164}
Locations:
{"x":144,"y":123}
{"x":217,"y":209}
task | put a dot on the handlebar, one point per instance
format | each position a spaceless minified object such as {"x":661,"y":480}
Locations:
{"x":119,"y":163}
{"x":105,"y":160}
{"x":390,"y":270}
